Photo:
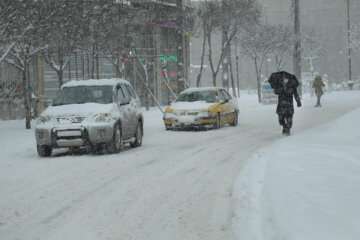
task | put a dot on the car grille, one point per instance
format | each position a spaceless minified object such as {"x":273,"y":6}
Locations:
{"x":192,"y":113}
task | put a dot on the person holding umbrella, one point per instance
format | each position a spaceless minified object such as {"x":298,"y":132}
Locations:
{"x":285,"y":86}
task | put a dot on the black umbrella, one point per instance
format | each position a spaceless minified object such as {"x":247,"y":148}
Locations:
{"x":278,"y":80}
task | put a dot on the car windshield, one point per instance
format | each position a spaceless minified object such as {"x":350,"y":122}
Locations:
{"x":207,"y":96}
{"x":84,"y":94}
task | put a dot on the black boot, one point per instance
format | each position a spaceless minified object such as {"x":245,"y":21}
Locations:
{"x":286,"y":131}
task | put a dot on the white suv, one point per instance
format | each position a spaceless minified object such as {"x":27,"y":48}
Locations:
{"x":95,"y":114}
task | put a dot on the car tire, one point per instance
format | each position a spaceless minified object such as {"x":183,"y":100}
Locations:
{"x":217,"y":124}
{"x":235,"y":121}
{"x":138,"y":136}
{"x":116,"y":145}
{"x":44,"y":150}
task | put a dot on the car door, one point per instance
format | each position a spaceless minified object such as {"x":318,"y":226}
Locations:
{"x":132,"y":109}
{"x":228,"y":107}
{"x":124,"y":108}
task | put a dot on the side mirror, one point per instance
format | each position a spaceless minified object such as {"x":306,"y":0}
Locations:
{"x":224,"y":101}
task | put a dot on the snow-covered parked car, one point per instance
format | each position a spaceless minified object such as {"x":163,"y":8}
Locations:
{"x":206,"y":107}
{"x":93,"y":114}
{"x":268,"y":95}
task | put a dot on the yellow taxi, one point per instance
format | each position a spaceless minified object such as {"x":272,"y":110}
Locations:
{"x":202,"y":108}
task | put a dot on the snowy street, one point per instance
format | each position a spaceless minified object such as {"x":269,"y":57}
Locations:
{"x":178,"y":185}
{"x":304,"y":187}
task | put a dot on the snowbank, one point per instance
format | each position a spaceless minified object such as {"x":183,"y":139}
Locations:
{"x":303,"y":187}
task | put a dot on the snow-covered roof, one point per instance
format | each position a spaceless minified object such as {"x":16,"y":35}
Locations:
{"x":95,"y":82}
{"x":198,"y":89}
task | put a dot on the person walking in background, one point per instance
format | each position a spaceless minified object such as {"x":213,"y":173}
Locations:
{"x":285,"y":86}
{"x":318,"y":86}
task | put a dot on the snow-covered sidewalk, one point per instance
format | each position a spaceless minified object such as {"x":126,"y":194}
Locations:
{"x":303,"y":187}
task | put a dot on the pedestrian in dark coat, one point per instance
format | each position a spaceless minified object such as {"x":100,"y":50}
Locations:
{"x":285,"y":86}
{"x":318,"y":85}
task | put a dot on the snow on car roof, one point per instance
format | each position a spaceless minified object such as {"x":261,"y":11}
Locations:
{"x":95,"y":82}
{"x":199,"y":89}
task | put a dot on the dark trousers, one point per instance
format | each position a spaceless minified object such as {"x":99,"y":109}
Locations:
{"x":285,"y":121}
{"x":318,"y":103}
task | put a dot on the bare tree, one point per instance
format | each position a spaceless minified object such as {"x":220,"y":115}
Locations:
{"x":227,"y":17}
{"x":108,"y":20}
{"x":8,"y":41}
{"x":67,"y":29}
{"x":119,"y":32}
{"x":284,"y":45}
{"x":312,"y":48}
{"x":258,"y":43}
{"x":237,"y":14}
{"x":203,"y":18}
{"x":26,"y":24}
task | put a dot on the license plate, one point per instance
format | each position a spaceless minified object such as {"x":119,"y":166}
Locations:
{"x":74,"y":133}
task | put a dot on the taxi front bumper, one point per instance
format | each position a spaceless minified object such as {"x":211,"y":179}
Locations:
{"x":189,"y":122}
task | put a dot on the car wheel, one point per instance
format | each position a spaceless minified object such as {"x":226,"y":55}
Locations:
{"x":44,"y":150}
{"x":217,"y":124}
{"x":116,"y":144}
{"x":138,"y":136}
{"x":235,"y":121}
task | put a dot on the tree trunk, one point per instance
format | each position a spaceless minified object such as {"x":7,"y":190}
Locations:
{"x":69,"y":70}
{"x":76,"y":65}
{"x":237,"y":67}
{"x":60,"y":74}
{"x":297,"y":45}
{"x":93,"y":63}
{"x":88,"y":65}
{"x":214,"y":73}
{"x":27,"y":95}
{"x":97,"y":66}
{"x":214,"y":79}
{"x":226,"y":60}
{"x":233,"y":86}
{"x":237,"y":75}
{"x":258,"y":79}
{"x":198,"y":79}
{"x":117,"y":70}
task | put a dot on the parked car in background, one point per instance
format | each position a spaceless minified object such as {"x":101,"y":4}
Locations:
{"x":201,"y":108}
{"x":268,"y":95}
{"x":96,"y":114}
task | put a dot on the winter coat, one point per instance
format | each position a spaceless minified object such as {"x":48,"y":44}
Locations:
{"x":318,"y":85}
{"x":285,"y":86}
{"x":285,"y":105}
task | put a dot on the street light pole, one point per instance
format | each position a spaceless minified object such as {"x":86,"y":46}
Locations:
{"x":349,"y":39}
{"x":180,"y":47}
{"x":297,"y":47}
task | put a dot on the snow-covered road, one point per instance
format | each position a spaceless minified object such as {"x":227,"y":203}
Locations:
{"x":178,"y":185}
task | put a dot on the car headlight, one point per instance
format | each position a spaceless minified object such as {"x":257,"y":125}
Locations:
{"x":102,"y":117}
{"x":43,"y":119}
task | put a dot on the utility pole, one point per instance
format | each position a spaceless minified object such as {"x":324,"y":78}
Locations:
{"x":40,"y":85}
{"x":226,"y":60}
{"x":180,"y":46}
{"x":349,"y":39}
{"x":237,"y":67}
{"x":297,"y":47}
